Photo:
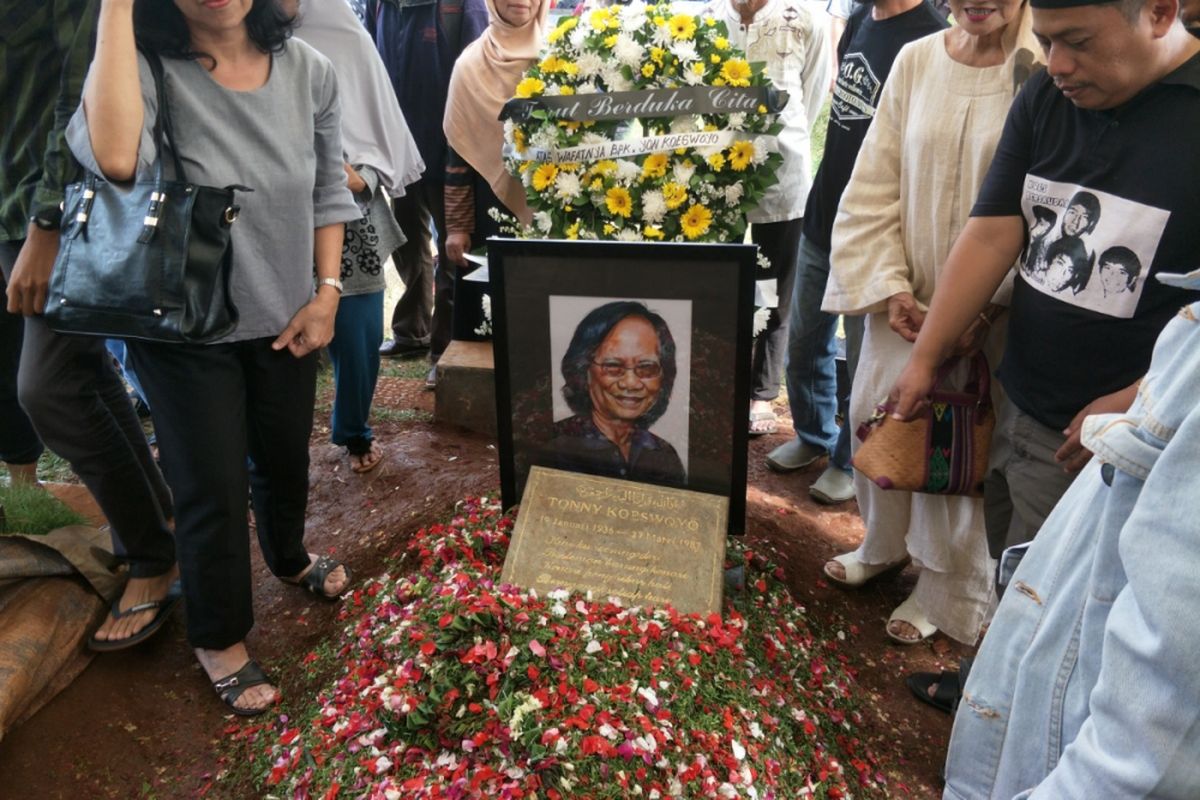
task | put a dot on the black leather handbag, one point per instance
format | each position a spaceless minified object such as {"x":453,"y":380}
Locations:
{"x":148,"y":261}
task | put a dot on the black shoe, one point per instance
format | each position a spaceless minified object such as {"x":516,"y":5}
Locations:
{"x":393,"y":349}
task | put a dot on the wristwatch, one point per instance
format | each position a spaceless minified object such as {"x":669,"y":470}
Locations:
{"x":334,"y":282}
{"x":48,"y":220}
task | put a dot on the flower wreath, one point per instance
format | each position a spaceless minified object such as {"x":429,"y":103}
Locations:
{"x":693,"y":194}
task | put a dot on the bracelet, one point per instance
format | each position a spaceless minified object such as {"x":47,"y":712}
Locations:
{"x":984,"y":318}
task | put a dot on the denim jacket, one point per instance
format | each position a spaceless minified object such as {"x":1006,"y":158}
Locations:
{"x":1088,"y":683}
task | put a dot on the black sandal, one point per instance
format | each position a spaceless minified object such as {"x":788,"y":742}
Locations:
{"x":163,"y":609}
{"x":231,"y":687}
{"x":314,"y":579}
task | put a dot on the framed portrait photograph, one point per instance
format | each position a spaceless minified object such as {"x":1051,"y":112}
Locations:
{"x":627,"y":360}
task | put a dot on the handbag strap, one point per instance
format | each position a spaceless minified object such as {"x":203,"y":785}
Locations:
{"x":163,"y":132}
{"x":979,"y":379}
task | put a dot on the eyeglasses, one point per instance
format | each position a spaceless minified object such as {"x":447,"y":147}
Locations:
{"x":645,"y":370}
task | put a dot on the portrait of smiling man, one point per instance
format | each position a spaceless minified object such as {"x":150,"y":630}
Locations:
{"x":618,"y":374}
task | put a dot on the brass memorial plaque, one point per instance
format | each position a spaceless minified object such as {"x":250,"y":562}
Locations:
{"x":648,"y":545}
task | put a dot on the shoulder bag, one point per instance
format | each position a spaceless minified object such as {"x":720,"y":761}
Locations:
{"x":942,"y":451}
{"x":150,"y":260}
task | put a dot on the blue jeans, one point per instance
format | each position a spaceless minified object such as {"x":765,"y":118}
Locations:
{"x":811,"y":358}
{"x":357,"y":332}
{"x":117,"y":348}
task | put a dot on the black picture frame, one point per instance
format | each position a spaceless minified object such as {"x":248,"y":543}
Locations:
{"x":539,"y":290}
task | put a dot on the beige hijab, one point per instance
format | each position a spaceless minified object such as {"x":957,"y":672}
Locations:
{"x":484,"y":79}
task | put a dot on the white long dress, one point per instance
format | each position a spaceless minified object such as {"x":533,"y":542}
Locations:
{"x":910,"y":194}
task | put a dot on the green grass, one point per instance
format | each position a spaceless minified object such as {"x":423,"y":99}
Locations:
{"x":407,"y":368}
{"x":33,"y":511}
{"x":50,"y":468}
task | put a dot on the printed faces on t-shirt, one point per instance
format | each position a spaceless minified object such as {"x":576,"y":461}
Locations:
{"x":855,"y":92}
{"x":1088,"y":248}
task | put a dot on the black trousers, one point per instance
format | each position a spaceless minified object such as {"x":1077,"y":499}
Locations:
{"x":19,"y":443}
{"x":780,"y":243}
{"x":421,"y":216}
{"x":214,"y":406}
{"x":78,"y":406}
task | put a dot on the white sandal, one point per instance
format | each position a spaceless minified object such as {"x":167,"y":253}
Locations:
{"x":909,"y":613}
{"x":858,"y":573}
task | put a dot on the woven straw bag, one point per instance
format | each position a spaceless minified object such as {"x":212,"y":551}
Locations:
{"x":942,"y":451}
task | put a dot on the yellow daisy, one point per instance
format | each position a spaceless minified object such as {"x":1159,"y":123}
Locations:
{"x":674,"y":195}
{"x":655,"y":165}
{"x":716,"y":161}
{"x":736,"y":72}
{"x":618,"y":201}
{"x":740,"y":155}
{"x":543,"y":176}
{"x":682,"y":26}
{"x":648,"y":69}
{"x":528,"y":87}
{"x":696,"y":221}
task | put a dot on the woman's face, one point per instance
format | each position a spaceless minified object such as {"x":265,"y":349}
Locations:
{"x":214,"y":15}
{"x":625,"y":376}
{"x":983,"y":17}
{"x":515,"y":12}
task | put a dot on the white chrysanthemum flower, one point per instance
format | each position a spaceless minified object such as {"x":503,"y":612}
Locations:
{"x":737,"y":120}
{"x":552,"y":90}
{"x":578,"y":36}
{"x":590,"y":65}
{"x":615,"y":80}
{"x":662,"y":36}
{"x":544,"y":137}
{"x":591,"y":137}
{"x":654,"y":207}
{"x":587,"y":88}
{"x":567,"y":186}
{"x":685,"y":51}
{"x":692,"y":78}
{"x":708,"y":150}
{"x":683,"y":172}
{"x":628,"y":171}
{"x":761,"y":152}
{"x":628,"y":52}
{"x":733,"y":194}
{"x":685,"y":123}
{"x":633,"y":19}
{"x":628,"y":235}
{"x":543,"y":221}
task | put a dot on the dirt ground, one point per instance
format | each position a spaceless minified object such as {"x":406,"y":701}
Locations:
{"x":144,"y":723}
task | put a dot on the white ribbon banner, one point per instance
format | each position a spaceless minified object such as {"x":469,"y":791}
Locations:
{"x":629,"y":147}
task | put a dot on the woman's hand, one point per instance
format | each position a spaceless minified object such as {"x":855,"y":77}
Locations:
{"x":904,"y":315}
{"x":910,"y":394}
{"x":312,"y":326}
{"x":355,"y":181}
{"x":457,"y":246}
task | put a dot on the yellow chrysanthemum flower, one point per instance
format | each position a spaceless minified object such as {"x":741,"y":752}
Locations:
{"x":524,"y":167}
{"x":563,"y":29}
{"x":736,"y":72}
{"x":655,"y":165}
{"x":762,"y":109}
{"x":710,"y":21}
{"x":543,"y":176}
{"x":550,"y":63}
{"x":599,"y":18}
{"x":605,"y":167}
{"x":618,"y":201}
{"x":610,"y":41}
{"x":674,"y":195}
{"x":714,"y":58}
{"x":740,"y":155}
{"x":566,"y":90}
{"x":718,"y":82}
{"x":519,"y":139}
{"x":660,"y":20}
{"x":656,"y":55}
{"x":648,"y":69}
{"x":721,"y":43}
{"x":596,"y":185}
{"x":682,"y":26}
{"x":573,"y":230}
{"x":609,"y":228}
{"x":696,"y":221}
{"x":528,"y":87}
{"x":651,"y":232}
{"x":716,"y":161}
{"x":698,"y":68}
{"x":570,"y":68}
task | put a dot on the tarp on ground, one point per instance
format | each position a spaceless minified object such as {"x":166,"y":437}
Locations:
{"x":54,"y":590}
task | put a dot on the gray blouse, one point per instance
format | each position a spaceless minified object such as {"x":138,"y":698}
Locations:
{"x":283,"y":140}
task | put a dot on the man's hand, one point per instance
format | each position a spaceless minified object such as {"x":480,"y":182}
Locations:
{"x":354,"y":180}
{"x":457,"y":247}
{"x":905,"y":316}
{"x":1073,"y":455}
{"x":31,"y":273}
{"x":312,"y":327}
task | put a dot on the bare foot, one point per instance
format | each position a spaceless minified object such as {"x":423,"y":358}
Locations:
{"x":335,"y":582}
{"x":219,"y":664}
{"x":365,"y":462}
{"x":903,"y":630}
{"x":137,"y":590}
{"x":762,"y":417}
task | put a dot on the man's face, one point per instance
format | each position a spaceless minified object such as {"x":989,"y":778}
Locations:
{"x":1059,"y":273}
{"x":1076,"y":220}
{"x":1113,"y":278}
{"x":1097,"y":57}
{"x":616,"y":389}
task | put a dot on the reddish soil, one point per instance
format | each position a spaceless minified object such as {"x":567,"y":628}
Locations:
{"x":144,"y":722}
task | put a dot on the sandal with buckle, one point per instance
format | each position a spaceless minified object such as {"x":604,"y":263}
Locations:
{"x":858,"y":573}
{"x":231,"y":687}
{"x":314,"y":579}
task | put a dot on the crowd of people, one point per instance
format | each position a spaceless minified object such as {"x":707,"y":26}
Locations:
{"x":1014,"y":180}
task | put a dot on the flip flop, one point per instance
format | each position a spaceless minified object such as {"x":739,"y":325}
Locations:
{"x":945,"y":698}
{"x":314,"y":579}
{"x":858,"y":573}
{"x":763,"y":416}
{"x":165,"y":606}
{"x":357,"y":448}
{"x":231,"y":687}
{"x":909,"y":613}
